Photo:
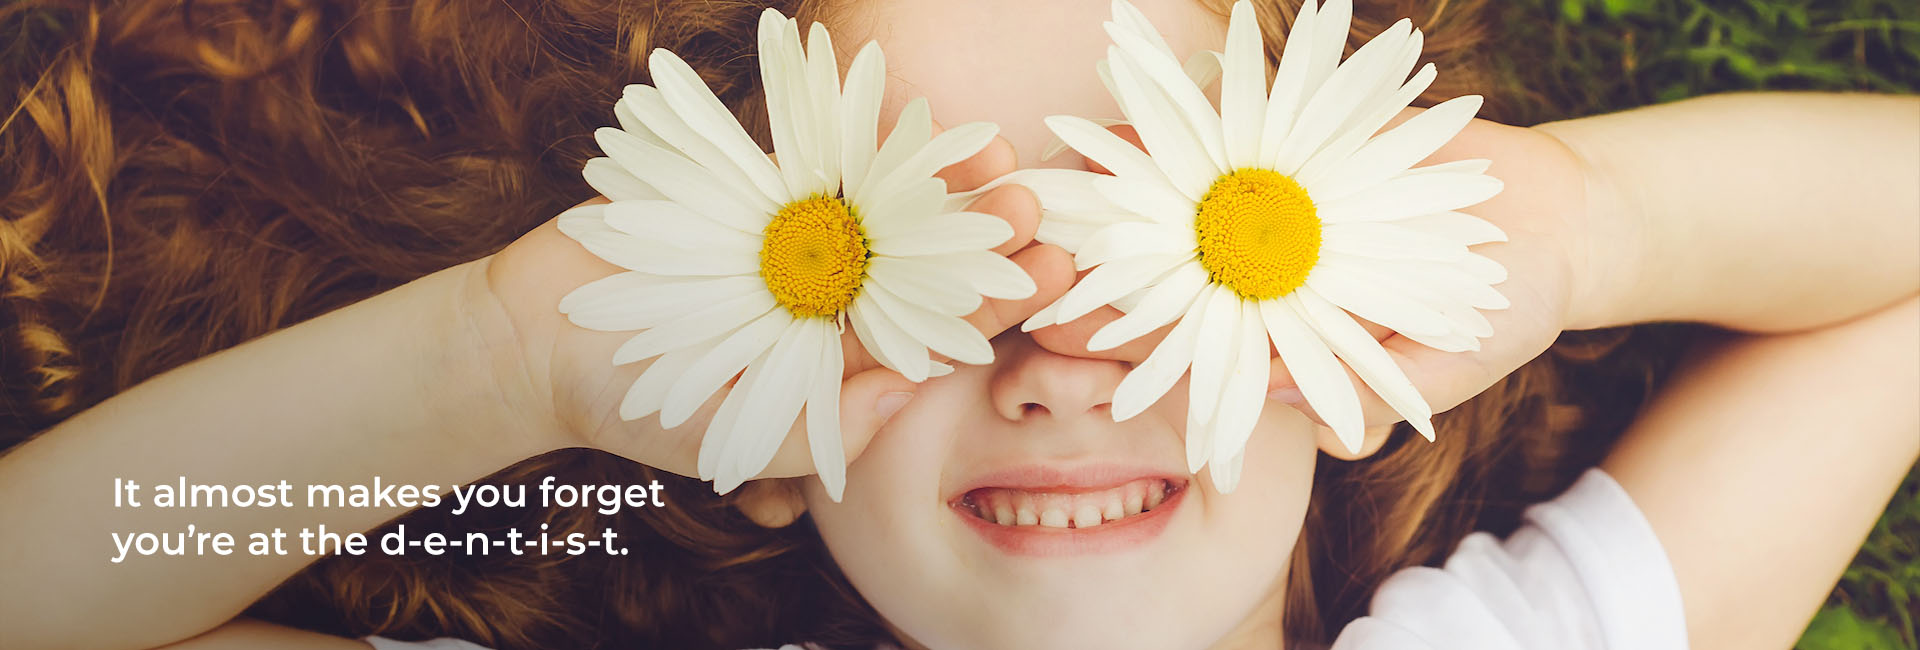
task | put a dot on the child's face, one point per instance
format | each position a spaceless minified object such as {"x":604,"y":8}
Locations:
{"x":1183,"y":574}
{"x":1031,"y":437}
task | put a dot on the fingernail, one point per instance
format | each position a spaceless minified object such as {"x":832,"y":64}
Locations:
{"x":1287,"y":395}
{"x":891,"y":403}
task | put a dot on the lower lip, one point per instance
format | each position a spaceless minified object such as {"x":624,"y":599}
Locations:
{"x":1042,"y":541}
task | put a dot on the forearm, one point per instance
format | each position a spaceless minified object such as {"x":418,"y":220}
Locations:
{"x":1764,"y":465}
{"x":1760,"y":212}
{"x":392,"y":387}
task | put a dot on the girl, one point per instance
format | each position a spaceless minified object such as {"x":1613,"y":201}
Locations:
{"x":470,"y":369}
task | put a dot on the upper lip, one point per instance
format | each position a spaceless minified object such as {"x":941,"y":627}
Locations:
{"x":1065,"y":478}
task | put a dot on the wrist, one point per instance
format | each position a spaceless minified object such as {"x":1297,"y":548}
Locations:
{"x":477,"y":376}
{"x":1607,"y":244}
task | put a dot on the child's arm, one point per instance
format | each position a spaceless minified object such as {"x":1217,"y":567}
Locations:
{"x":373,"y":389}
{"x":1764,"y":464}
{"x":1761,"y":212}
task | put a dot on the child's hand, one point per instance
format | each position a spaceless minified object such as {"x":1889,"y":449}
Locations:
{"x":1542,"y":210}
{"x":572,"y":382}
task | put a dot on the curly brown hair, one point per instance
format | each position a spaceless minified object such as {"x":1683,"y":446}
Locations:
{"x":188,"y":175}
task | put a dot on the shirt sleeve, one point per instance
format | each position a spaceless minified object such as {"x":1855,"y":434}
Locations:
{"x":382,"y":643}
{"x":1583,"y":572}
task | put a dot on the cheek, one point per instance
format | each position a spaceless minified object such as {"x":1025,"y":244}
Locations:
{"x":890,"y":534}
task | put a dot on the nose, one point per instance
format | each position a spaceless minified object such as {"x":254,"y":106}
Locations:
{"x":1031,"y":382}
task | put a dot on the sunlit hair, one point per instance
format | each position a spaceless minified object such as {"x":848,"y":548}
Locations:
{"x":189,"y":175}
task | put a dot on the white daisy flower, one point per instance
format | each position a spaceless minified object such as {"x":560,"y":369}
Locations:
{"x":741,"y":266}
{"x":1269,"y":220}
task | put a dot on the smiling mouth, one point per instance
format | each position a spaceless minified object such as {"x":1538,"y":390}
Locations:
{"x":1042,"y":508}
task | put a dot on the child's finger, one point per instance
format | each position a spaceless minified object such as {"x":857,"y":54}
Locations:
{"x":991,"y":162}
{"x":1052,"y":271}
{"x":1018,"y":206}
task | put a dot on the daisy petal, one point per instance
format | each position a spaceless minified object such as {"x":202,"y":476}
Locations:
{"x":860,"y":114}
{"x":1321,"y":378}
{"x":1100,"y":146}
{"x":911,"y":202}
{"x":681,"y":180}
{"x":1244,"y":396}
{"x":823,"y":419}
{"x":682,"y":90}
{"x":936,"y":289}
{"x":1449,"y":283}
{"x":1153,"y":200}
{"x":1150,"y":380}
{"x":1289,"y":90}
{"x":1110,"y":281}
{"x":1242,"y":89}
{"x":1411,"y":195}
{"x":651,"y":107}
{"x":1314,"y":173}
{"x":1162,"y":303}
{"x":950,"y":147}
{"x":1356,"y":347}
{"x":1331,"y":30}
{"x":694,"y":326}
{"x":1340,"y":97}
{"x":948,"y":335}
{"x":911,"y":132}
{"x":1388,"y":240}
{"x":989,"y":273}
{"x":629,"y":122}
{"x":947,"y":233}
{"x":782,"y":78}
{"x":776,"y":396}
{"x":1128,"y":17}
{"x":587,"y":225}
{"x":1483,"y":269}
{"x":886,"y":341}
{"x":1204,"y":68}
{"x":1213,"y":360}
{"x":1124,"y":240}
{"x":1457,"y":227}
{"x":1170,"y":138}
{"x":1067,"y":233}
{"x":649,"y":392}
{"x":729,"y":357}
{"x":1345,"y":287}
{"x":1468,"y":166}
{"x":672,"y":224}
{"x":1397,"y":150}
{"x":720,"y":429}
{"x":1161,"y":75}
{"x":1199,"y":438}
{"x":823,"y":81}
{"x":632,"y":301}
{"x":613,"y":182}
{"x":663,"y":258}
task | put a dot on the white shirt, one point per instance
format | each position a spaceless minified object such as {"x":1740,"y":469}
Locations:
{"x":1583,"y":572}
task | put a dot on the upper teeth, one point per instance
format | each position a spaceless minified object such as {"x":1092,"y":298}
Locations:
{"x":1010,"y":507}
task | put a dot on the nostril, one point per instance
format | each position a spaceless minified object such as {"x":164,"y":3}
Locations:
{"x":1030,"y":409}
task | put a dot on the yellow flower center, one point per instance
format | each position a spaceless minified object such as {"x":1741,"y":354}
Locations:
{"x":814,"y":256}
{"x":1258,"y":233}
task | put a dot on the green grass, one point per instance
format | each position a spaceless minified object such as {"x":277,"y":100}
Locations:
{"x":1606,"y":55}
